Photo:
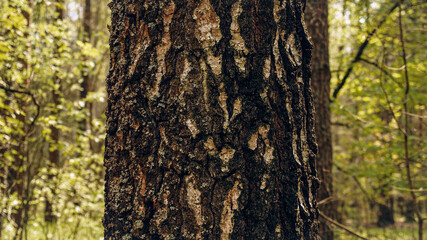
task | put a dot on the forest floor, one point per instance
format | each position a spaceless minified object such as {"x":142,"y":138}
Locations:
{"x":395,"y":232}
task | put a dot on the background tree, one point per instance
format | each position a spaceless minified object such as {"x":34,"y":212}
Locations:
{"x":210,"y":129}
{"x":316,"y":17}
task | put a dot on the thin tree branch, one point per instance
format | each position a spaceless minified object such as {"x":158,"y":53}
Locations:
{"x":359,"y":54}
{"x":389,"y":105}
{"x":382,"y":69}
{"x":347,"y":229}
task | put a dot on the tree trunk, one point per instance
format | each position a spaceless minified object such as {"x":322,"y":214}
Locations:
{"x":210,"y":129}
{"x":316,"y":17}
{"x":54,"y":154}
{"x":85,"y":85}
{"x":386,"y":213}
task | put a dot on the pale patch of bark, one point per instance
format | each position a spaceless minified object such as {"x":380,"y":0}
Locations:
{"x":263,"y":95}
{"x":230,"y":205}
{"x":208,"y":32}
{"x":278,"y":231}
{"x":294,"y":55}
{"x":304,"y":147}
{"x":205,"y":84}
{"x":226,"y":155}
{"x":267,"y":67}
{"x":237,"y":108}
{"x":253,"y":141}
{"x":278,"y":6}
{"x":294,"y":134}
{"x":163,"y":47}
{"x":262,"y":132}
{"x":269,"y":153}
{"x":185,"y":71}
{"x":237,"y":41}
{"x":184,"y":81}
{"x":193,"y":129}
{"x":264,"y":179}
{"x":214,"y":62}
{"x":269,"y":150}
{"x":223,"y":103}
{"x":142,"y":46}
{"x":194,"y":201}
{"x":210,"y":146}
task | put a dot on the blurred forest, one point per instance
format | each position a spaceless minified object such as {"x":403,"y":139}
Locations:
{"x":53,"y":63}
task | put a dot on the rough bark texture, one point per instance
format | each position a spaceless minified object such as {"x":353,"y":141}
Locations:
{"x":316,"y":18}
{"x":210,"y":130}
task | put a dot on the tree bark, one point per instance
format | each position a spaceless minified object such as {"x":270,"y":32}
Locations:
{"x":210,"y":128}
{"x":316,"y":17}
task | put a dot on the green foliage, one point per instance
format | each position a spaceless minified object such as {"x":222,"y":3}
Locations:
{"x":369,"y":110}
{"x":42,"y":66}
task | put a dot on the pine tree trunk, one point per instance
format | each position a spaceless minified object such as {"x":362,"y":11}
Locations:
{"x":210,"y":130}
{"x":316,"y":17}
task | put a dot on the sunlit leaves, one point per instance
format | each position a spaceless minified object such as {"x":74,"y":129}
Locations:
{"x":41,"y":69}
{"x":369,"y":113}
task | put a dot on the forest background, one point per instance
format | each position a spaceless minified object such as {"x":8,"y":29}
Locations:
{"x":53,"y":64}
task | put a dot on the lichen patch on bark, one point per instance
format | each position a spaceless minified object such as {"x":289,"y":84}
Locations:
{"x":230,"y":205}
